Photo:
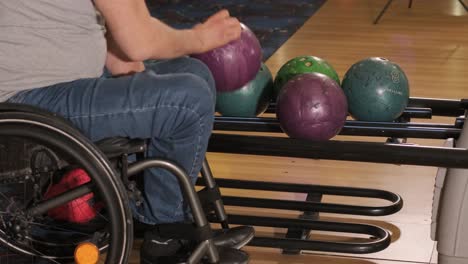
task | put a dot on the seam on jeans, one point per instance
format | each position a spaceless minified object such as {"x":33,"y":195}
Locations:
{"x":144,"y":109}
{"x":200,"y":124}
{"x":178,"y":209}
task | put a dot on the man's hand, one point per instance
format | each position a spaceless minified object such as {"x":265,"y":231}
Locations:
{"x":217,"y":31}
{"x":119,"y":67}
{"x":117,"y":62}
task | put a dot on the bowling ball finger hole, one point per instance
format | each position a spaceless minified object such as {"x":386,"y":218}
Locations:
{"x":308,"y":64}
{"x":303,"y":59}
{"x":384,"y":59}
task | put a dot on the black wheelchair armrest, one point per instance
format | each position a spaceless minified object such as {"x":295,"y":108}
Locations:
{"x":117,"y":146}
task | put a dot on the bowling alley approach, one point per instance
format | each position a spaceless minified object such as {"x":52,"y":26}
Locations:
{"x":234,"y":132}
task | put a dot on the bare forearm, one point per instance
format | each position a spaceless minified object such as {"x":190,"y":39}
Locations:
{"x":155,"y":40}
{"x":117,"y":62}
{"x":175,"y":43}
{"x":118,"y":67}
{"x":140,"y":36}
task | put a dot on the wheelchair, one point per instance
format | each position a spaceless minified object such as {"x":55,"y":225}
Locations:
{"x":37,"y":147}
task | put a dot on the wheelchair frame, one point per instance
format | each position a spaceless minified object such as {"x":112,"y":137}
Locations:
{"x":19,"y":120}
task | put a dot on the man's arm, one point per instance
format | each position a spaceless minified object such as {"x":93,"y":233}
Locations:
{"x":140,"y":36}
{"x":117,"y":62}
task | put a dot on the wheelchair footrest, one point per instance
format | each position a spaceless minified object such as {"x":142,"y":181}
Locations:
{"x":186,"y":231}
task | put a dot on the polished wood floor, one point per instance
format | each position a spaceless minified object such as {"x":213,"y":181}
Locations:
{"x":430,"y":42}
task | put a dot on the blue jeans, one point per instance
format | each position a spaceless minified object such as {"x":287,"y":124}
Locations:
{"x":171,"y":103}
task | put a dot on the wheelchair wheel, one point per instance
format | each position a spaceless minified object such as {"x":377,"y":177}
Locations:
{"x":34,"y":149}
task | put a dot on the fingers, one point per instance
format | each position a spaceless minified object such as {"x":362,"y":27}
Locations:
{"x":233,"y":29}
{"x":228,"y":26}
{"x":197,"y":26}
{"x":232,"y":22}
{"x":223,"y":17}
{"x":223,"y":14}
{"x":218,"y":30}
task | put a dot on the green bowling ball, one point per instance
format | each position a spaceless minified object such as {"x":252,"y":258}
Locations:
{"x":300,"y":65}
{"x":377,"y":90}
{"x":250,"y":100}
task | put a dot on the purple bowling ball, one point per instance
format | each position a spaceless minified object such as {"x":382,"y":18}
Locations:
{"x":312,"y":106}
{"x":236,"y":63}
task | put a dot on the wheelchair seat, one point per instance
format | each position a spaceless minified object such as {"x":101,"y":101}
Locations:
{"x":118,"y":146}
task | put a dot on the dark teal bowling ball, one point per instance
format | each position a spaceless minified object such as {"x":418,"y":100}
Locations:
{"x":377,"y":90}
{"x":250,"y":100}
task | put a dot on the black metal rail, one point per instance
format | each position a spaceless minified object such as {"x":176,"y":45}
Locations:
{"x":297,"y":238}
{"x":380,"y":238}
{"x":396,"y":202}
{"x":439,"y":107}
{"x":340,"y":150}
{"x":410,"y":112}
{"x":355,"y":128}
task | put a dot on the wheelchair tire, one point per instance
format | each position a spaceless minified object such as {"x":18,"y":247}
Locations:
{"x":57,"y":134}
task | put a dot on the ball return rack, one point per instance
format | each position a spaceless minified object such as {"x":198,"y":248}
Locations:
{"x":394,"y":150}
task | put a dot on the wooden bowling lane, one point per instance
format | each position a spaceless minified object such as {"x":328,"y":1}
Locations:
{"x":429,"y":41}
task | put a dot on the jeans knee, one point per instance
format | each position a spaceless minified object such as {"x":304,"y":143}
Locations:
{"x":200,"y":69}
{"x":203,"y":94}
{"x":184,"y":65}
